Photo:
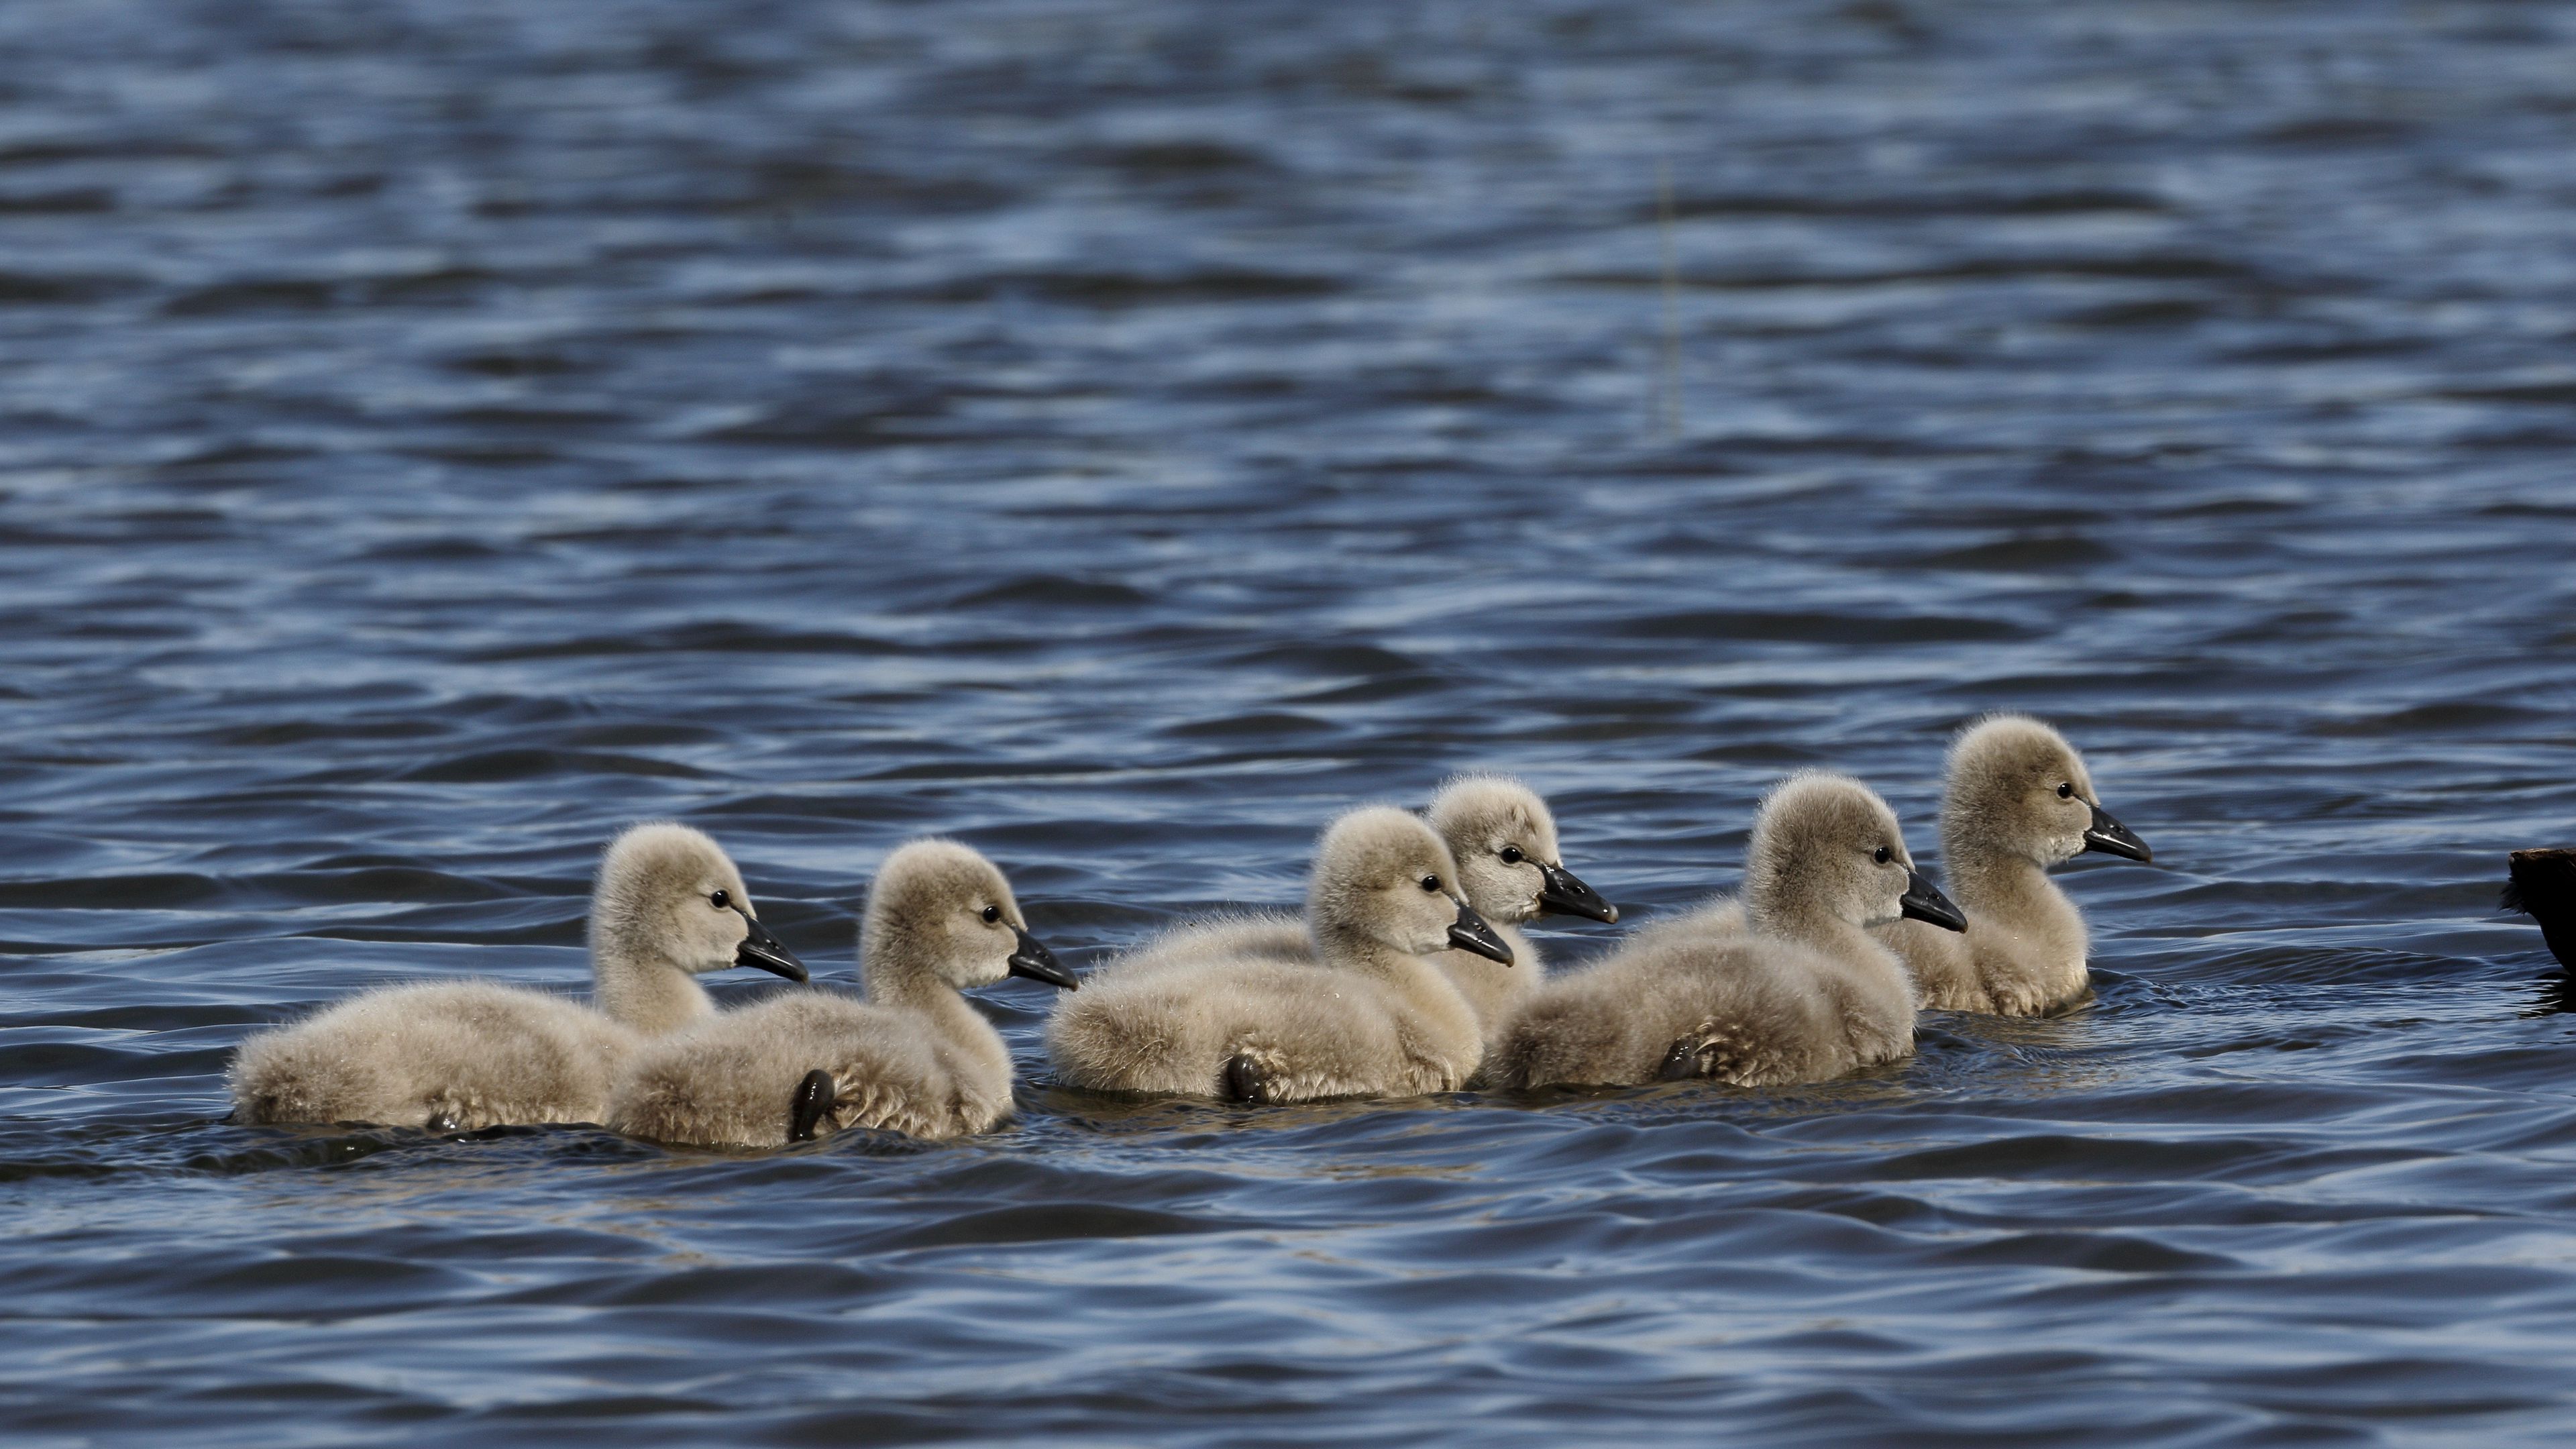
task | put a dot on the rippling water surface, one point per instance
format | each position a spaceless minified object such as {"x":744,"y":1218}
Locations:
{"x":1122,"y":434}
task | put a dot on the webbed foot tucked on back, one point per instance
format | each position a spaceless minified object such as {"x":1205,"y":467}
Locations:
{"x":1718,"y":1051}
{"x":1245,"y":1081}
{"x":813,"y":1102}
{"x":1689,"y":1060}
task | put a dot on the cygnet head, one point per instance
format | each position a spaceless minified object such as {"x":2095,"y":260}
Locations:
{"x":667,"y":894}
{"x":2017,"y":788}
{"x":939,"y":909}
{"x":1382,"y":877}
{"x":1503,"y":838}
{"x":1827,"y":846}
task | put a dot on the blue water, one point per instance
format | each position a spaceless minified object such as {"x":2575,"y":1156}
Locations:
{"x":1121,"y":435}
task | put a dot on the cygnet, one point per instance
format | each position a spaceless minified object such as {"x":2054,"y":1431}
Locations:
{"x":2017,"y":800}
{"x":460,"y":1055}
{"x":912,"y":1056}
{"x":1503,"y":838}
{"x":1370,"y":1015}
{"x":1797,"y":992}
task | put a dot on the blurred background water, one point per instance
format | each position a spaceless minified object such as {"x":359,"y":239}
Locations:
{"x":1120,"y":434}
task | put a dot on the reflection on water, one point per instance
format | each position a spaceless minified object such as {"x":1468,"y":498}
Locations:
{"x":2554,"y":993}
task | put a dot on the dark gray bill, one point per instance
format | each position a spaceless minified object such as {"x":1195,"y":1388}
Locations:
{"x":1923,"y":901}
{"x":1034,"y":961}
{"x":761,"y":949}
{"x":2111,"y":837}
{"x":1470,"y":933}
{"x":1561,"y":892}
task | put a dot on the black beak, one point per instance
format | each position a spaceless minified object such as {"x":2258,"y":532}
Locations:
{"x":1924,"y":902}
{"x":1470,"y":933}
{"x":1034,"y":961}
{"x":761,"y":949}
{"x":2111,"y":837}
{"x":1562,"y":893}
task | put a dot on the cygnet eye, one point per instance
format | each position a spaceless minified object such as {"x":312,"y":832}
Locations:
{"x":2066,"y":792}
{"x":1431,"y":884}
{"x":1884,"y":855}
{"x":1512,"y":855}
{"x":721,"y":899}
{"x":992,"y":914}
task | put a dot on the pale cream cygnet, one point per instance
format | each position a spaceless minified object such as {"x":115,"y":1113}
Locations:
{"x":2016,"y":801}
{"x":1369,"y":1015}
{"x":1797,"y":990}
{"x":1503,"y":838}
{"x":911,"y":1056}
{"x":460,"y":1055}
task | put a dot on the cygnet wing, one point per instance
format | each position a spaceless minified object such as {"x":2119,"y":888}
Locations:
{"x":1257,"y":937}
{"x":733,"y":1081}
{"x":455,"y":1055}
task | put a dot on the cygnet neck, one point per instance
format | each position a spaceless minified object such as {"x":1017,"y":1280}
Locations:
{"x":643,"y":988}
{"x":1809,"y":923}
{"x":893,"y":973}
{"x":1433,"y":1016}
{"x":1344,"y":945}
{"x":1986,"y":877}
{"x":2015,"y":897}
{"x":955,"y":1018}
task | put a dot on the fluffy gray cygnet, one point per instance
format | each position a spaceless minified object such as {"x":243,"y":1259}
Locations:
{"x":912,"y":1056}
{"x":1793,"y":990}
{"x":1369,"y":1015}
{"x":1503,"y":838}
{"x":2017,"y":800}
{"x":460,"y":1055}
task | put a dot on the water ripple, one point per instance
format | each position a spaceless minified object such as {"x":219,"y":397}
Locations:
{"x":1120,"y":436}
